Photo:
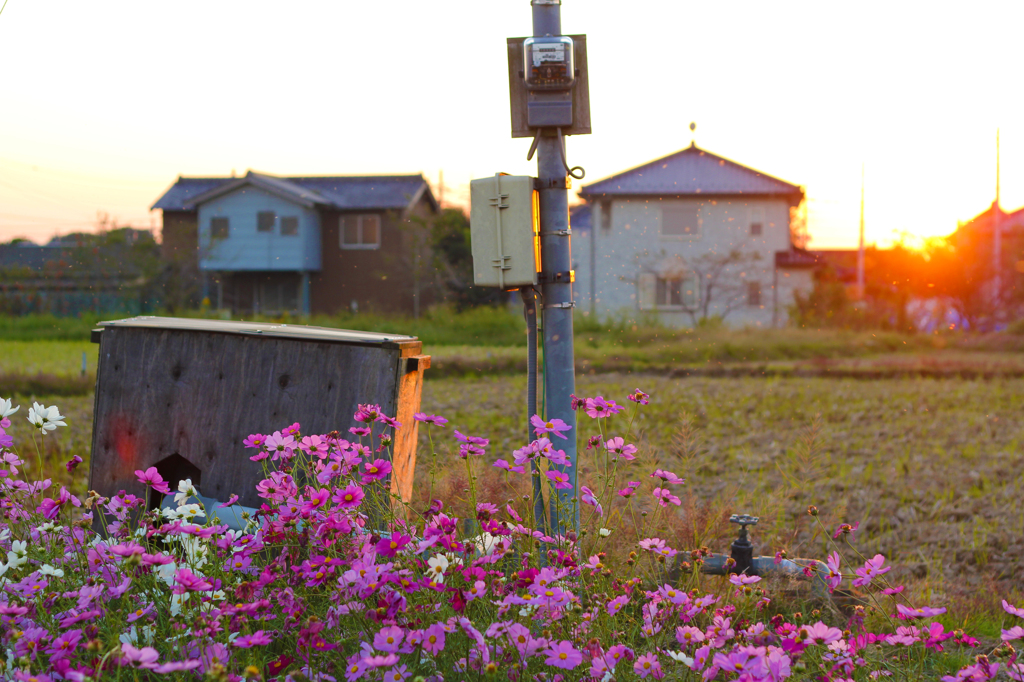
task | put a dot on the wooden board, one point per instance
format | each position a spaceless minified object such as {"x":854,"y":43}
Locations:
{"x":162,"y":392}
{"x":517,"y":89}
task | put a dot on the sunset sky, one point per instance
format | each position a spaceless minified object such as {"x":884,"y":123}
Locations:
{"x":103,"y":105}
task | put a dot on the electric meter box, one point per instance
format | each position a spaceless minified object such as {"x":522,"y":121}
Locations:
{"x":548,"y":85}
{"x":549,"y":74}
{"x":505,"y":230}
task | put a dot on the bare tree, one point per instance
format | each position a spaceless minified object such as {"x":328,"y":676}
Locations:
{"x":721,"y":286}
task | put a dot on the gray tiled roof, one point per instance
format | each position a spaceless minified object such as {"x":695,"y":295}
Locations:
{"x":690,"y":171}
{"x":342,"y":192}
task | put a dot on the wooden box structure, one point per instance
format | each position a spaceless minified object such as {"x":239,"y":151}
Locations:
{"x":182,"y":394}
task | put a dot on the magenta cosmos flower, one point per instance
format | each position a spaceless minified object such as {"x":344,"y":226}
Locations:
{"x":563,"y":655}
{"x":872,"y":569}
{"x":639,"y":397}
{"x":667,"y":477}
{"x":153,"y":479}
{"x":377,"y":470}
{"x":258,"y":638}
{"x":552,"y":426}
{"x":907,"y":613}
{"x":559,"y":479}
{"x":430,"y":419}
{"x":351,"y":496}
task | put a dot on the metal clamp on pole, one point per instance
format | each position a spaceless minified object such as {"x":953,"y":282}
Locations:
{"x":557,"y":233}
{"x":568,"y":276}
{"x":552,"y":183}
{"x":568,"y":304}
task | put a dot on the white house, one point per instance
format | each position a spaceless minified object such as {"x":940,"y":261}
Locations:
{"x":688,"y":236}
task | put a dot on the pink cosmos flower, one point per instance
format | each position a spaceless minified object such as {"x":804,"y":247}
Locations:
{"x":389,"y":639}
{"x":280,"y":446}
{"x":176,"y":666}
{"x":1016,"y":632}
{"x":648,"y":665}
{"x":619,"y":447}
{"x":385,"y":661}
{"x":559,"y":479}
{"x":1013,"y":610}
{"x":552,"y":426}
{"x":376,"y":470}
{"x":687,"y":635}
{"x":479,"y":589}
{"x":146,"y":657}
{"x":872,"y":569}
{"x":73,"y":463}
{"x":359,"y":430}
{"x":502,"y":464}
{"x":367,"y":413}
{"x":563,"y":655}
{"x":255,"y":440}
{"x":615,"y":605}
{"x":472,"y":440}
{"x":894,"y":590}
{"x":153,"y":479}
{"x":834,"y":577}
{"x":258,"y":638}
{"x":433,"y":639}
{"x":629,"y":490}
{"x":186,"y":581}
{"x":391,"y":546}
{"x":587,"y":497}
{"x":846,"y":529}
{"x":667,"y":477}
{"x":598,"y":408}
{"x":740,"y":579}
{"x":350,"y":497}
{"x":665,"y":497}
{"x":430,"y":419}
{"x":639,"y":397}
{"x":907,"y":613}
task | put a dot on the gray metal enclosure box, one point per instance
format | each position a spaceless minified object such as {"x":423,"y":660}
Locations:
{"x":182,"y":394}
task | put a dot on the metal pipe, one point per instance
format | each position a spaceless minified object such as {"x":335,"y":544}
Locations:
{"x":556,"y":256}
{"x":765,"y":565}
{"x":529,"y":295}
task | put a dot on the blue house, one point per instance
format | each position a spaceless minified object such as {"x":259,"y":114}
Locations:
{"x":267,"y":244}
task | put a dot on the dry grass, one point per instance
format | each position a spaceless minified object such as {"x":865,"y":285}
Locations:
{"x":932,"y":469}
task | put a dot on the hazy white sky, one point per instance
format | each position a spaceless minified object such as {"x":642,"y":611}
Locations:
{"x":103,"y":105}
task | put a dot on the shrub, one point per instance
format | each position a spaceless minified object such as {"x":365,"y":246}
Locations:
{"x":334,"y":577}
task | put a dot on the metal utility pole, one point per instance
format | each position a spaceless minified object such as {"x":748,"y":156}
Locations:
{"x":997,"y":244}
{"x":556,"y":257}
{"x":860,"y":249}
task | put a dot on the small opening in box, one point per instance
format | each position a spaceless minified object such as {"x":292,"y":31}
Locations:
{"x":174,"y":469}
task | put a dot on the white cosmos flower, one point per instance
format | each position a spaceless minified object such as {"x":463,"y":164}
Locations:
{"x":680,"y":657}
{"x":438,"y":565}
{"x":45,"y":418}
{"x":20,"y":547}
{"x":47,"y":569}
{"x":604,"y":532}
{"x":185,"y":491}
{"x":5,"y":408}
{"x":134,"y":636}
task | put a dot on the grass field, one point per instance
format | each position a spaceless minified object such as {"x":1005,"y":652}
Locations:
{"x":932,"y":469}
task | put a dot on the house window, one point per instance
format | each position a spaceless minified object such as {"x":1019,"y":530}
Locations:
{"x":218,"y":228}
{"x":667,"y":293}
{"x":278,"y":297}
{"x":289,"y":226}
{"x":680,"y":222}
{"x":265,"y":221}
{"x":360,"y":232}
{"x":754,"y":294}
{"x":756,"y":222}
{"x":606,"y":216}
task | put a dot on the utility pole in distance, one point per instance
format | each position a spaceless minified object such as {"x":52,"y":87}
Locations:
{"x":556,"y":257}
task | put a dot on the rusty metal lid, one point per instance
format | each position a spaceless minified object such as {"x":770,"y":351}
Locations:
{"x":268,"y":329}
